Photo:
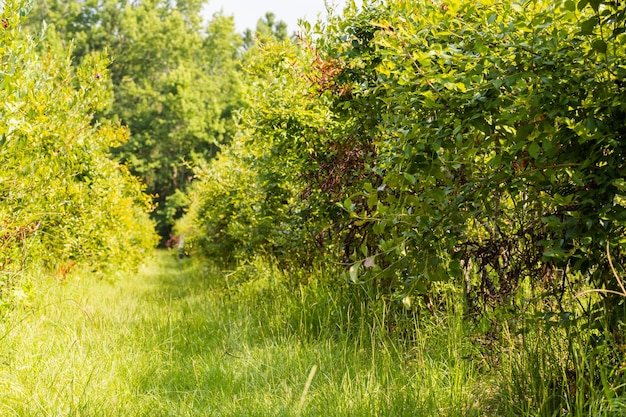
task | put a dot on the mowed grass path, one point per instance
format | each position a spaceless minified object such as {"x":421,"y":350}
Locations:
{"x":173,"y":340}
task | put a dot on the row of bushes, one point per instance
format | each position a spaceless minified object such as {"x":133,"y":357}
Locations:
{"x":477,"y":145}
{"x":424,"y":141}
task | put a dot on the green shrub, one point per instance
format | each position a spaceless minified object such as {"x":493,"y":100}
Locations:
{"x":62,"y":199}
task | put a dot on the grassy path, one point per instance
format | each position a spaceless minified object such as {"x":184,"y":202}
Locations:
{"x":174,"y":341}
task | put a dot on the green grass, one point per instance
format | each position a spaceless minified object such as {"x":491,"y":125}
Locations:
{"x":181,"y":339}
{"x":177,"y":340}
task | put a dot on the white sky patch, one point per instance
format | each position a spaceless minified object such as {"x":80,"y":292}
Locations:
{"x":248,"y":12}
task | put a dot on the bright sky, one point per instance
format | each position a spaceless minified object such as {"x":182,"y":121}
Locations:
{"x":248,"y":12}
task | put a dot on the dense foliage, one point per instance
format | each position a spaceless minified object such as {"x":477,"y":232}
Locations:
{"x":466,"y":155}
{"x":478,"y":144}
{"x":62,"y":199}
{"x":418,"y":141}
{"x":175,"y":84}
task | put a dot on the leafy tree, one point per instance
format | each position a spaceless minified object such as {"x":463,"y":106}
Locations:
{"x":175,"y":105}
{"x":249,"y":199}
{"x":85,"y":26}
{"x":63,"y":201}
{"x":178,"y":102}
{"x":491,"y":152}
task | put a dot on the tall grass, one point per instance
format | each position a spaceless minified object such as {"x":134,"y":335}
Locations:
{"x":178,"y":339}
{"x":561,"y":364}
{"x":182,"y":339}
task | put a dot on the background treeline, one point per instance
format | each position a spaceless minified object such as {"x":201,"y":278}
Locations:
{"x":175,"y":82}
{"x":108,"y":106}
{"x":94,"y":92}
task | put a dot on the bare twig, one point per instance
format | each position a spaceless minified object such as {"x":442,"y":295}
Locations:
{"x":620,"y":282}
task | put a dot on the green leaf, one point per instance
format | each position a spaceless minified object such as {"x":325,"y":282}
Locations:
{"x":617,"y":32}
{"x":421,"y":287}
{"x":595,"y":4}
{"x":556,"y":254}
{"x":620,"y":184}
{"x":364,"y":249}
{"x":534,"y":150}
{"x":591,"y":125}
{"x":372,"y":200}
{"x":410,"y":178}
{"x":354,"y":272}
{"x":547,"y":144}
{"x":586,"y":27}
{"x":455,"y":270}
{"x":524,"y":131}
{"x":599,"y":45}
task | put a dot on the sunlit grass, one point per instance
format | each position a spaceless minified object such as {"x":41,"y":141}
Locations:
{"x":174,"y":340}
{"x":181,"y":339}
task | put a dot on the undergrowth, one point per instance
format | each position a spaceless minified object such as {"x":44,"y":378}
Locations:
{"x":184,"y":339}
{"x":180,"y":339}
